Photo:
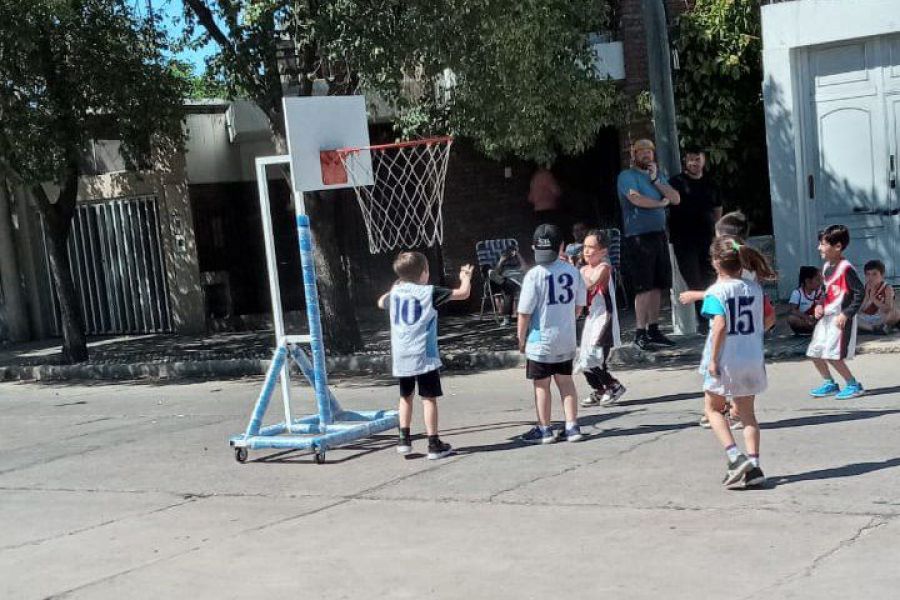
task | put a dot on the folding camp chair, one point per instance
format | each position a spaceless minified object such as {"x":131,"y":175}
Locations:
{"x":488,"y":253}
{"x":615,"y":258}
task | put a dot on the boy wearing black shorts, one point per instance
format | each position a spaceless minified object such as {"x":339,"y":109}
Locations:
{"x":416,"y":362}
{"x":553,"y":293}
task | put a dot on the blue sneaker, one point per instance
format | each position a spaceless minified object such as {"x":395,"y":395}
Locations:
{"x":828,"y":388}
{"x":536,"y":435}
{"x":851,"y":390}
{"x":573,"y":434}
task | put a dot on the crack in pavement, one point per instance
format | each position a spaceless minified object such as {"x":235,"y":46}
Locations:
{"x":575,"y":467}
{"x":106,"y":445}
{"x":874,"y":523}
{"x":339,"y":502}
{"x":121,"y":519}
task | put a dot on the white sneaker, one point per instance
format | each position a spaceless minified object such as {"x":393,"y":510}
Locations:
{"x":612,"y":395}
{"x":593,"y":400}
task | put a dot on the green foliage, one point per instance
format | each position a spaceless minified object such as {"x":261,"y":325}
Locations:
{"x":522,"y":69}
{"x":719,"y":97}
{"x":72,"y":70}
{"x":198,"y":87}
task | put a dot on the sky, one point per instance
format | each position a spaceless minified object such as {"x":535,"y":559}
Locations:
{"x":173,"y":21}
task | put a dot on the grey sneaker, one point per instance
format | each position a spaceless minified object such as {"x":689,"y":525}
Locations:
{"x":404,"y":445}
{"x":754,"y":477}
{"x":736,"y":470}
{"x":613,"y":394}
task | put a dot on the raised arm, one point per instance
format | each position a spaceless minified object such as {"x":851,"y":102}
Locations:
{"x":465,"y":283}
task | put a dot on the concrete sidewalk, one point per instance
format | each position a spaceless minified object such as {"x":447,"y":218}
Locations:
{"x":466,"y":342}
{"x":131,"y":491}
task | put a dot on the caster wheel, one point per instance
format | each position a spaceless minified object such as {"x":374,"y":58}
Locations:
{"x":240,"y":455}
{"x":320,"y":458}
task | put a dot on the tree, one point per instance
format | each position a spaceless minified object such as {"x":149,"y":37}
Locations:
{"x":719,"y":96}
{"x":72,"y":71}
{"x":523,"y":77}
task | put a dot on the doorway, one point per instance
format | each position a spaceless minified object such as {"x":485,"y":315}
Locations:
{"x":852,"y":100}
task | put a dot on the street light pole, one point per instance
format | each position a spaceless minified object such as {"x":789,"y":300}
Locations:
{"x":662,"y":95}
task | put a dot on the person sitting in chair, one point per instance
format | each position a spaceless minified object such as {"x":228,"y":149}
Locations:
{"x":507,"y":276}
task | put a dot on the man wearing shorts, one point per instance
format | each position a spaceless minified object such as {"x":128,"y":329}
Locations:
{"x":644,"y":194}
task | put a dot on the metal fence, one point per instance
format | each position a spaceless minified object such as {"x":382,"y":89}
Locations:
{"x":118,"y":267}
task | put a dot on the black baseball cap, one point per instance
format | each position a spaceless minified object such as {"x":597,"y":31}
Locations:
{"x":546,"y":242}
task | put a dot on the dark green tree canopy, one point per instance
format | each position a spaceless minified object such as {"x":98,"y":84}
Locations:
{"x":73,"y":70}
{"x":522,"y":71}
{"x":719,"y":95}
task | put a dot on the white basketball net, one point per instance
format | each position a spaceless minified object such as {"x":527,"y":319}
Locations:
{"x":403,"y":208}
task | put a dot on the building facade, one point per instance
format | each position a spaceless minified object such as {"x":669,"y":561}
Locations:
{"x":179,"y":248}
{"x":832,"y":98}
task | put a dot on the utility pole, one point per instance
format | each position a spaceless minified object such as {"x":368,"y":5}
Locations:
{"x":662,"y":95}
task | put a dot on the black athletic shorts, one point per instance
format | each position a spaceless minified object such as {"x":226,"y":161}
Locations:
{"x":542,"y":370}
{"x":429,"y":385}
{"x":647,"y":262}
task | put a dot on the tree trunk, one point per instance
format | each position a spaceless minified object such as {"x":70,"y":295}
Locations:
{"x":339,"y":322}
{"x":74,"y":341}
{"x":58,"y":224}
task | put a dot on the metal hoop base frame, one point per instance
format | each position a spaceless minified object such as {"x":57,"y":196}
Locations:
{"x":332,"y":425}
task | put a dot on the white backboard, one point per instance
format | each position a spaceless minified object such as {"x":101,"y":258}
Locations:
{"x":317,"y":123}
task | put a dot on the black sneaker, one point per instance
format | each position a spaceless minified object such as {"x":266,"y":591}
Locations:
{"x":754,"y":477}
{"x":438,"y":450}
{"x":642,"y":341}
{"x":736,"y":470}
{"x":656,"y":337}
{"x":404,"y":445}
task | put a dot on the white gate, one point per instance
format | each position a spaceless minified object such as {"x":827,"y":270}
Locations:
{"x":118,"y":267}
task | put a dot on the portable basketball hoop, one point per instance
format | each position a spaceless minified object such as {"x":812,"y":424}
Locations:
{"x":399,"y":188}
{"x":312,"y":124}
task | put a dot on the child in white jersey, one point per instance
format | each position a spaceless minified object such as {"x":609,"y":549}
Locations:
{"x":601,"y":328}
{"x":804,"y":299}
{"x":414,"y":351}
{"x":553,"y":294}
{"x":734,"y":224}
{"x":733,"y":362}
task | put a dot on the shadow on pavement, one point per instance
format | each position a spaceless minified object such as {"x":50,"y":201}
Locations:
{"x":661,"y":399}
{"x":290,"y":457}
{"x":851,"y":470}
{"x":856,"y":415}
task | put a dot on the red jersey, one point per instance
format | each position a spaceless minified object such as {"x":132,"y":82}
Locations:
{"x":842,"y":286}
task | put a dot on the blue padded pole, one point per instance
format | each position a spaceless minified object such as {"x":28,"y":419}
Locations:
{"x":320,"y":374}
{"x":302,"y":362}
{"x":262,"y":403}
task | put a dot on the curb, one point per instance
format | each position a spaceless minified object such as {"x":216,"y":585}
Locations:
{"x":626,"y":356}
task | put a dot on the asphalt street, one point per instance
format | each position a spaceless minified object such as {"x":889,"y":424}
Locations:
{"x":131,"y":491}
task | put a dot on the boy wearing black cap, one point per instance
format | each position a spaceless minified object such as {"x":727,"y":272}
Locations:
{"x":553,"y":294}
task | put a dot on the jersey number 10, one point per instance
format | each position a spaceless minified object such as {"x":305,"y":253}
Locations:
{"x":407,"y":311}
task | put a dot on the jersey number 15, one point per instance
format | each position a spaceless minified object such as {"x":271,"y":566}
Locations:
{"x":740,"y":315}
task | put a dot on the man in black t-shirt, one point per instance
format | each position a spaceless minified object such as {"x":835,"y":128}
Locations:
{"x":692,"y":223}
